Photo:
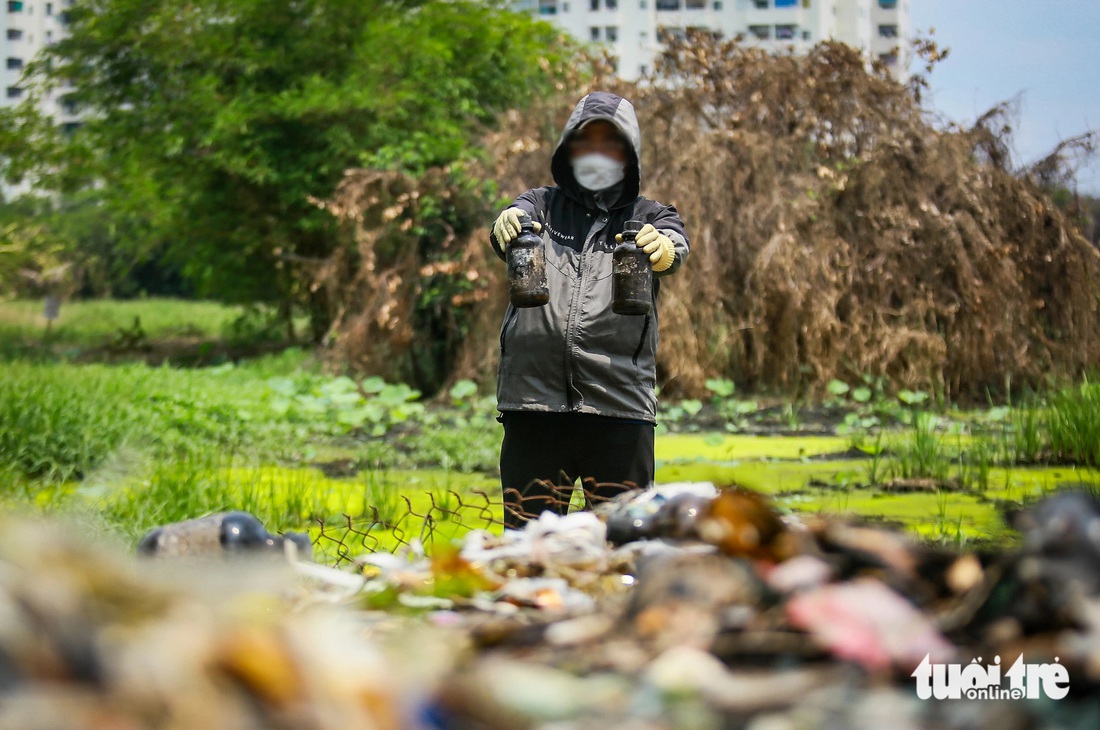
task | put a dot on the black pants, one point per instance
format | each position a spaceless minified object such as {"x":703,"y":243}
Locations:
{"x":543,"y":454}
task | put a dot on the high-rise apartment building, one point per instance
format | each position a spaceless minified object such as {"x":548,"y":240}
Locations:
{"x":633,"y":29}
{"x":27,"y":27}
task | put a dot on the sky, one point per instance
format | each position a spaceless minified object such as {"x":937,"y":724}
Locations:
{"x":1045,"y":51}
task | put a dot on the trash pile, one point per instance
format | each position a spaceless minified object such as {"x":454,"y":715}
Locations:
{"x":683,"y":606}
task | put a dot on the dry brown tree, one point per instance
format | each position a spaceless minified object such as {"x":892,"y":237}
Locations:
{"x":837,"y":231}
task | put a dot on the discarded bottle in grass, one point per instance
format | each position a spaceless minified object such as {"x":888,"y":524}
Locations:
{"x":527,"y":268}
{"x":223,"y":533}
{"x":631,"y":274}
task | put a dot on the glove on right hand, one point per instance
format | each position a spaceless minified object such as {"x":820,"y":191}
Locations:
{"x":507,"y":224}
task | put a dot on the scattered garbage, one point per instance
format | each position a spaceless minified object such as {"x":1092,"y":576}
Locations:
{"x":715,"y":611}
{"x":668,"y":510}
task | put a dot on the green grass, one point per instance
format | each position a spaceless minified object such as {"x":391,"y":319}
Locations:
{"x":391,"y":507}
{"x":128,"y":446}
{"x":1074,"y":424}
{"x":921,"y":452}
{"x":98,"y":322}
{"x":1024,"y":440}
{"x":62,"y":421}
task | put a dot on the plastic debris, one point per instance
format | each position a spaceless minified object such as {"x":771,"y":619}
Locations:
{"x":868,"y":623}
{"x":720,"y":613}
{"x":665,"y":511}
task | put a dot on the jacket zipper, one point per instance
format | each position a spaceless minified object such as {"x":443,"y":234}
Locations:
{"x":571,"y":324}
{"x":641,"y":342}
{"x":571,"y":331}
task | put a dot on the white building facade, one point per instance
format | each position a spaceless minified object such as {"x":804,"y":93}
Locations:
{"x":633,"y":29}
{"x":27,"y":27}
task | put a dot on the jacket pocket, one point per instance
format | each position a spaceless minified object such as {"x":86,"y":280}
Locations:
{"x":508,"y":318}
{"x":641,"y":341}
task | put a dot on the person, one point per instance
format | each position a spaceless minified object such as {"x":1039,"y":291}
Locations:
{"x":576,"y":381}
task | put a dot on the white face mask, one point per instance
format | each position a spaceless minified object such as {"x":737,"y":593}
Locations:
{"x":597,"y":172}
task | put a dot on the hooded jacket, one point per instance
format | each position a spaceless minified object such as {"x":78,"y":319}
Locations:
{"x":574,"y":355}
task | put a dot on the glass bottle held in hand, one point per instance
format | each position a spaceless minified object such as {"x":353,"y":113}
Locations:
{"x":631,"y":275}
{"x":527,"y":268}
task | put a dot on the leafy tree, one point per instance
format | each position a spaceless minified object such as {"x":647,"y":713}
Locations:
{"x":214,"y":127}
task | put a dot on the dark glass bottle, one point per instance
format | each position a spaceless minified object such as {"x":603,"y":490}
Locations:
{"x":527,"y":268}
{"x":631,"y":275}
{"x":241,"y":531}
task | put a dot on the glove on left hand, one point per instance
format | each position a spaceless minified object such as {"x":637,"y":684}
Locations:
{"x":660,"y":248}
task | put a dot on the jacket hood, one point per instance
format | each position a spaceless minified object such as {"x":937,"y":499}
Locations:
{"x":618,"y":111}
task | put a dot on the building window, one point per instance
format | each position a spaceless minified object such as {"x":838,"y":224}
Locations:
{"x":695,"y":4}
{"x":786,"y":3}
{"x":15,"y":6}
{"x":14,"y":34}
{"x":70,"y":127}
{"x":806,"y":4}
{"x":611,"y":34}
{"x":14,"y":92}
{"x":642,"y":4}
{"x":565,"y":7}
{"x":668,"y":4}
{"x":594,"y":33}
{"x":760,"y":32}
{"x":49,"y":8}
{"x":890,"y":59}
{"x":611,"y":4}
{"x":14,"y":64}
{"x":717,"y":4}
{"x":643,"y":70}
{"x":593,"y":4}
{"x":805,"y":35}
{"x":887,"y":4}
{"x":785,"y":32}
{"x":888,"y":31}
{"x":760,"y":4}
{"x":548,"y":7}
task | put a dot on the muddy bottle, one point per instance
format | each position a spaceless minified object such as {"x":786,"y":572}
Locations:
{"x":631,"y":275}
{"x":527,"y":268}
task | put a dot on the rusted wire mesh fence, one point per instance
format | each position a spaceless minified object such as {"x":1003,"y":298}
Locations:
{"x":446,"y":517}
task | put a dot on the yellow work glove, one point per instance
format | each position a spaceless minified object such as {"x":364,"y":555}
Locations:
{"x":660,"y":248}
{"x":506,"y":227}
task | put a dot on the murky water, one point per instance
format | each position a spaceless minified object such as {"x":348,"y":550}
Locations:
{"x":818,"y":474}
{"x":806,"y":475}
